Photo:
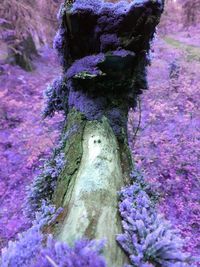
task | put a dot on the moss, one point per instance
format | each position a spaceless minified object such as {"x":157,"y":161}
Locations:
{"x":73,"y":152}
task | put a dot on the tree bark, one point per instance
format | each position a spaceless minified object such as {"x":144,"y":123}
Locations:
{"x":98,"y":165}
{"x":103,"y":49}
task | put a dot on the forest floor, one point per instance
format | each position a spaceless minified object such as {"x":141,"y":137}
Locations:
{"x":167,"y":147}
{"x":25,"y":139}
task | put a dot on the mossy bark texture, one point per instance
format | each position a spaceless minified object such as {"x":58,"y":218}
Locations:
{"x":97,"y":167}
{"x":103,"y":49}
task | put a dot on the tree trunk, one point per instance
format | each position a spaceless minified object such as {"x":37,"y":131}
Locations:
{"x":98,"y":165}
{"x":103,"y":49}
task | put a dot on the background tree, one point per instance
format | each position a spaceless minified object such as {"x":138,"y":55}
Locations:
{"x":191,"y":11}
{"x":26,"y":26}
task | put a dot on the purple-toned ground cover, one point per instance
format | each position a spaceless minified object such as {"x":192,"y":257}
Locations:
{"x":167,"y":147}
{"x":147,"y":237}
{"x":24,"y":137}
{"x":30,"y":250}
{"x":168,"y":143}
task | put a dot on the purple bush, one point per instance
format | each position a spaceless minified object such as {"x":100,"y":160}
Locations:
{"x":167,"y":146}
{"x":84,"y":254}
{"x":29,"y":251}
{"x":147,"y":236}
{"x":23,"y":252}
{"x":32,"y":250}
{"x":46,"y":215}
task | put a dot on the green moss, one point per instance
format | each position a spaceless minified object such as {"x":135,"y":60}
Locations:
{"x":73,"y":132}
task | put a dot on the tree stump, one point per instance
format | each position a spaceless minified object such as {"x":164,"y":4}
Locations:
{"x":104,"y":51}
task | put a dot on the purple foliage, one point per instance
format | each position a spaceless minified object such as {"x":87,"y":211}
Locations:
{"x":116,"y":9}
{"x":59,"y":40}
{"x":117,"y":120}
{"x":31,"y":250}
{"x":60,"y":45}
{"x":92,"y":107}
{"x":46,"y":215}
{"x":84,"y":254}
{"x":167,"y":147}
{"x":147,"y":236}
{"x":121,"y":8}
{"x":100,"y":7}
{"x":22,"y":252}
{"x":61,"y":12}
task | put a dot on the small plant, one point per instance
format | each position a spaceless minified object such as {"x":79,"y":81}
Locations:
{"x":147,"y":238}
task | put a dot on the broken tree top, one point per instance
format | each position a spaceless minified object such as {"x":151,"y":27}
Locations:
{"x":93,"y":26}
{"x":104,"y":48}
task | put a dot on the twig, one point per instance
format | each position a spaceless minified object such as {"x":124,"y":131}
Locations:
{"x":139,"y":123}
{"x":51,"y":261}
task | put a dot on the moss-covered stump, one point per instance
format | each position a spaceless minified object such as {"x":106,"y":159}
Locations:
{"x":98,"y":166}
{"x":103,"y":49}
